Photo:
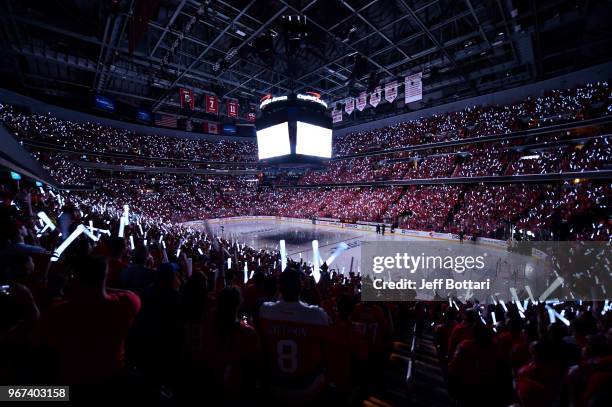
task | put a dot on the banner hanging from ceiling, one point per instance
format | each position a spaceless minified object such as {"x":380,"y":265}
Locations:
{"x":375,"y":97}
{"x":232,"y":108}
{"x":336,"y":115}
{"x":413,"y":88}
{"x":212,"y":104}
{"x":349,"y":105}
{"x":391,"y":91}
{"x":361,"y":101}
{"x":187,"y":99}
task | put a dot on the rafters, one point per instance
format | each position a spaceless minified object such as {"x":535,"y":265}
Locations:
{"x":460,"y":39}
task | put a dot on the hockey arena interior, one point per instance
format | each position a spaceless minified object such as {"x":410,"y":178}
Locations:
{"x":199,"y":199}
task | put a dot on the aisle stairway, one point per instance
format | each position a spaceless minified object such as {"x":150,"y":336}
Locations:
{"x":413,"y":376}
{"x":398,"y":375}
{"x":429,"y":388}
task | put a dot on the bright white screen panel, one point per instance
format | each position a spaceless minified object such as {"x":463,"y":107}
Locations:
{"x":313,"y":140}
{"x":273,"y":141}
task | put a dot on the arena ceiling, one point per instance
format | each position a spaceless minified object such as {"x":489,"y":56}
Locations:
{"x":244,"y":49}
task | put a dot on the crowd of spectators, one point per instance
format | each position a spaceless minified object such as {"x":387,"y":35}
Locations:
{"x":590,"y":100}
{"x":148,"y":310}
{"x":570,"y":209}
{"x":174,"y":191}
{"x":555,"y":106}
{"x":500,"y":355}
{"x":160,"y":314}
{"x":96,"y":137}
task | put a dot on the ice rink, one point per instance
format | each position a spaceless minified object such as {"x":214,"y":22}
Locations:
{"x":264,"y":234}
{"x":506,"y":269}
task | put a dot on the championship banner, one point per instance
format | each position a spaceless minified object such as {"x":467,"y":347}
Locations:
{"x":212,"y":104}
{"x":375,"y":97}
{"x":187,"y":99}
{"x":210,"y":127}
{"x":232,"y":108}
{"x":349,"y":105}
{"x":251,"y":117}
{"x":361,"y":101}
{"x":336,"y":115}
{"x":413,"y":88}
{"x":391,"y":91}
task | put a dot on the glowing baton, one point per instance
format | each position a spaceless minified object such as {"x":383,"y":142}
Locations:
{"x":283,"y":253}
{"x":105,"y":231}
{"x":315,"y":261}
{"x":58,"y":252}
{"x":551,"y":314}
{"x":558,"y":281}
{"x":43,"y":217}
{"x":90,"y":234}
{"x":341,"y":247}
{"x":40,"y":233}
{"x":529,"y":293}
{"x":121,"y":226}
{"x":132,"y":242}
{"x":246,"y":273}
{"x":515,"y":298}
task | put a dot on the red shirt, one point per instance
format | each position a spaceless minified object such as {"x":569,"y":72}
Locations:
{"x":479,"y":376}
{"x":443,"y":332}
{"x":537,"y":385}
{"x":115,"y":267}
{"x":345,"y":348}
{"x":252,"y":296}
{"x":88,"y":335}
{"x":231,"y":356}
{"x":459,"y":333}
{"x":293,"y":334}
{"x":370,"y":321}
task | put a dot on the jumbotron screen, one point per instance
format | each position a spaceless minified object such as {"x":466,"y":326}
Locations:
{"x":273,"y":141}
{"x":313,"y":140}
